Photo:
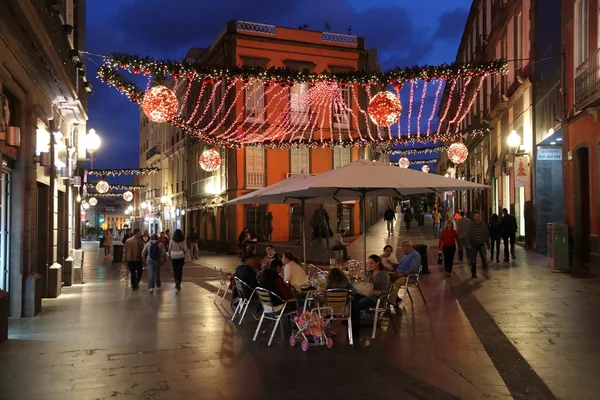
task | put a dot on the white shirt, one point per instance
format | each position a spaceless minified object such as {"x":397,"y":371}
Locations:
{"x":294,"y":274}
{"x":389,"y":261}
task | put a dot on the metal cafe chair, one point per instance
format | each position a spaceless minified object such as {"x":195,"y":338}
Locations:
{"x":382,"y":308}
{"x":270,"y":311}
{"x":242,"y":306}
{"x":340,"y":301}
{"x":224,"y":284}
{"x":412,"y":279}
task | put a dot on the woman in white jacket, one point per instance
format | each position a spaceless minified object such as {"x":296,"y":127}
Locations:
{"x":177,"y":252}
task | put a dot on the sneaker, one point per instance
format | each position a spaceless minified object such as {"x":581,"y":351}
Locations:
{"x":150,"y":290}
{"x":257,"y":317}
{"x":473,"y":276}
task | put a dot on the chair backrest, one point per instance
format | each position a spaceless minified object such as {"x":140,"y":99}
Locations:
{"x":242,"y":287}
{"x":266,"y":297}
{"x":390,"y":293}
{"x":415,"y":277}
{"x":222,"y":275}
{"x":339,"y":300}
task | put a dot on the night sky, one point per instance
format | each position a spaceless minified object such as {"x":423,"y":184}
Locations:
{"x":405,"y":33}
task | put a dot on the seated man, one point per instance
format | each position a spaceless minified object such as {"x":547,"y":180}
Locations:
{"x":388,"y":259}
{"x":337,"y":243}
{"x":409,"y":264}
{"x":246,"y":273}
{"x":271,"y":280}
{"x":271,"y":255}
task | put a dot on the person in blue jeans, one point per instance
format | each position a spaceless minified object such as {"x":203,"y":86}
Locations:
{"x":478,"y":241}
{"x":155,"y":254}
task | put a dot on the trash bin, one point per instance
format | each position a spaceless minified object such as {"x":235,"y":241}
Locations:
{"x":422,"y":250}
{"x":117,"y":252}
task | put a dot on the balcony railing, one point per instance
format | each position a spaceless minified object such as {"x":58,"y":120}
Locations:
{"x":587,"y":78}
{"x":255,"y":180}
{"x":154,"y":150}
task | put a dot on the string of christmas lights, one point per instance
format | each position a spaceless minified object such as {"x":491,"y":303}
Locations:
{"x":120,"y":172}
{"x":427,"y":150}
{"x":417,"y":162}
{"x":108,"y":194}
{"x":117,"y":187}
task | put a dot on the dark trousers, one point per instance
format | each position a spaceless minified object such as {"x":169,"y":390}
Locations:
{"x":449,"y":252}
{"x":496,"y":244}
{"x":474,"y":250}
{"x":178,"y":269}
{"x":135,"y":272}
{"x":359,"y":303}
{"x":510,"y":238}
{"x":407,"y":225}
{"x":343,"y":248}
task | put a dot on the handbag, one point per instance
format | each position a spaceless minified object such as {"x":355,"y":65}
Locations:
{"x":176,"y":254}
{"x":364,"y":288}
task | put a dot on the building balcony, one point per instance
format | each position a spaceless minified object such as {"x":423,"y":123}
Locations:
{"x":154,"y":151}
{"x":498,"y":101}
{"x":255,"y":180}
{"x":587,"y":81}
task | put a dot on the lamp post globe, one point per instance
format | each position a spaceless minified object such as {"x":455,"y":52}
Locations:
{"x":514,"y":140}
{"x":92,"y":141}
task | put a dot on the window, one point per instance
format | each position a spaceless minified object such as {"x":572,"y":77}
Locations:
{"x":255,"y":167}
{"x":255,"y":101}
{"x":340,"y":113}
{"x":518,"y":42}
{"x":581,"y":31}
{"x":341,"y":156}
{"x":299,"y":106}
{"x":299,"y":161}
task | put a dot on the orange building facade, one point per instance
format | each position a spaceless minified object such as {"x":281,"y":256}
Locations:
{"x":581,"y":38}
{"x":246,"y":169}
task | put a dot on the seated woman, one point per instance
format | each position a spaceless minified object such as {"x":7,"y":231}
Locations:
{"x":381,"y":284}
{"x":388,"y":258}
{"x":336,"y":279}
{"x":293,"y":272}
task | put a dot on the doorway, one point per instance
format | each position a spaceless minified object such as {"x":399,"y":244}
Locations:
{"x":582,"y":214}
{"x":4,"y":230}
{"x":43,"y":236}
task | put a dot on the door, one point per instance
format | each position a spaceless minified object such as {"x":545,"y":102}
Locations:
{"x":296,"y":223}
{"x":254,"y":217}
{"x":4,"y":230}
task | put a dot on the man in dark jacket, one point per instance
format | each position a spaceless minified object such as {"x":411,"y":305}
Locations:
{"x":478,"y":241}
{"x":390,"y":217}
{"x":246,"y":273}
{"x":272,"y":281}
{"x":509,"y":232}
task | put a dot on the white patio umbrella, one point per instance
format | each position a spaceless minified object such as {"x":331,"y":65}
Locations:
{"x":364,"y":178}
{"x":271,"y":195}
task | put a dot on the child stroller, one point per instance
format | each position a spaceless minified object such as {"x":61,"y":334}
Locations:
{"x":313,"y":324}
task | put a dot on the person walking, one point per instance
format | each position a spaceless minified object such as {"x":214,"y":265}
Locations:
{"x":108,"y":242}
{"x":133,"y":257}
{"x":155,"y":255}
{"x":146,"y":237}
{"x":509,"y":232}
{"x":193,"y":239}
{"x":408,"y":218}
{"x":437,"y":219}
{"x":495,"y":228}
{"x":390,"y":217}
{"x":479,"y":240}
{"x":177,"y":252}
{"x":463,"y":225}
{"x":126,"y":236}
{"x":448,"y":241}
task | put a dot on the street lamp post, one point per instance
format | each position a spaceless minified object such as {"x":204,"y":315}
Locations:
{"x":92,"y":144}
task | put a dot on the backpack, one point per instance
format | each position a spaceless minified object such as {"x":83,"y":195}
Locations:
{"x":154,"y":251}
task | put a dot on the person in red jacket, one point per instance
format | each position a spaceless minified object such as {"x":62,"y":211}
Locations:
{"x":448,"y":242}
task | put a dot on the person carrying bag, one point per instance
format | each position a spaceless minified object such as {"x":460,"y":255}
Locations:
{"x":177,"y":252}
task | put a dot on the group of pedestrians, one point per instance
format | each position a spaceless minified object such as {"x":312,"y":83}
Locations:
{"x":475,"y":237}
{"x":390,"y":216}
{"x":155,"y":252}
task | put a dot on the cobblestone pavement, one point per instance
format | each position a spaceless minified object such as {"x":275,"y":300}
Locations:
{"x":526,"y":333}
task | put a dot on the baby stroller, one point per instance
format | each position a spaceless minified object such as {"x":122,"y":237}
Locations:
{"x":313,"y":324}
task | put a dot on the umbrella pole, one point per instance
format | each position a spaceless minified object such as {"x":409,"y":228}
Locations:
{"x":303,"y":233}
{"x":363,"y":209}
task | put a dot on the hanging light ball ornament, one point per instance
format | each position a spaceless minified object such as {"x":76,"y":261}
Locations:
{"x":102,"y":186}
{"x":93,"y":201}
{"x":85,"y":205}
{"x":403,"y":162}
{"x":210,"y":160}
{"x":128,"y":196}
{"x":384,"y":109}
{"x":160,"y":104}
{"x":458,"y":152}
{"x":425,"y":168}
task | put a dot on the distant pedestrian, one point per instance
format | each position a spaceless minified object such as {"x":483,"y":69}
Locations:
{"x":177,"y":252}
{"x":408,"y":218}
{"x":437,"y":219}
{"x":479,"y":240}
{"x":155,"y":255}
{"x":168,"y":235}
{"x":133,"y":257}
{"x":146,"y":237}
{"x":495,"y":228}
{"x":127,"y":235}
{"x":390,"y":217}
{"x":509,"y":232}
{"x":463,"y":225}
{"x":448,"y":241}
{"x":193,"y":239}
{"x":108,"y":242}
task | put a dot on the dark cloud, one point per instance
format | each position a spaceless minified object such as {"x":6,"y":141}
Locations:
{"x":451,"y":24}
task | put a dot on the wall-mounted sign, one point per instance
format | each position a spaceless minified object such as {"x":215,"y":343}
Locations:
{"x":549,"y":153}
{"x":521,"y":172}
